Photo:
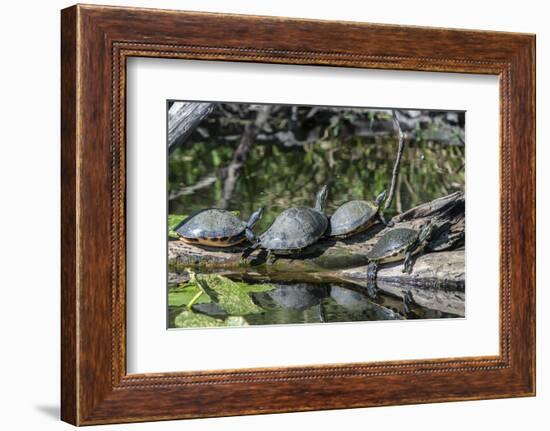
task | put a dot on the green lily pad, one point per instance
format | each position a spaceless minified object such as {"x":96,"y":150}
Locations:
{"x":254,"y":288}
{"x":189,"y":319}
{"x":231,"y":296}
{"x":235,"y":321}
{"x":182,"y":296}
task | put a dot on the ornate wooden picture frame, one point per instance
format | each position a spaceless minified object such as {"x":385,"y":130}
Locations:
{"x":96,"y":41}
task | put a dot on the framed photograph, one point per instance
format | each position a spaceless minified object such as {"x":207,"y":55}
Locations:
{"x":322,"y":214}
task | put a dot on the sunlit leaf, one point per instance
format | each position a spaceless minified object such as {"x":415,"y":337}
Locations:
{"x":235,"y":321}
{"x":250,"y":287}
{"x":188,"y":319}
{"x":182,"y":296}
{"x":231,"y":296}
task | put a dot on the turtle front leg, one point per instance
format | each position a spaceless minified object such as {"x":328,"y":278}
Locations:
{"x":250,"y":236}
{"x":411,"y":255}
{"x":384,"y":222}
{"x":372,"y":289}
{"x":408,"y":301}
{"x":408,"y":263}
{"x":271,"y":258}
{"x":248,"y":251}
{"x":372,"y":270}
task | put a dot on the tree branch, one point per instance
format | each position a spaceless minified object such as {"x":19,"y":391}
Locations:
{"x":395,"y":172}
{"x":241,"y":154}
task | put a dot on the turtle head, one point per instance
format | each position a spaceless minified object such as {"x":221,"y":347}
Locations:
{"x":426,"y":231}
{"x":321,"y":198}
{"x":254,"y":218}
{"x":380,"y":198}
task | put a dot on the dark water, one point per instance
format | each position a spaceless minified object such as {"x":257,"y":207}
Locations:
{"x":299,"y":303}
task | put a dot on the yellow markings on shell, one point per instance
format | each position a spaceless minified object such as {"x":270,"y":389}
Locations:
{"x":397,"y":256}
{"x":215,"y":242}
{"x":363,"y":228}
{"x":392,"y":258}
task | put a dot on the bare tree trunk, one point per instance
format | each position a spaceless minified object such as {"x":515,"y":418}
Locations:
{"x":240,"y":156}
{"x":230,"y":174}
{"x":397,"y":164}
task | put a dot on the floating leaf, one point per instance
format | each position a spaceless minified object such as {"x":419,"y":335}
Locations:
{"x":235,"y":321}
{"x":182,"y":296}
{"x":250,"y":288}
{"x":188,"y":319}
{"x":231,"y":296}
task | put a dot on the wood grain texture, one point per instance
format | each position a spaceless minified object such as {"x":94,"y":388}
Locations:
{"x":96,"y":41}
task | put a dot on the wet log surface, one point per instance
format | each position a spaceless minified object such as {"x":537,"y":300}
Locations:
{"x":437,"y":280}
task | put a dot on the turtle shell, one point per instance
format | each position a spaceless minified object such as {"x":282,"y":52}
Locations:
{"x":294,"y":229}
{"x":352,"y":217}
{"x":392,"y":244}
{"x":213,"y":226}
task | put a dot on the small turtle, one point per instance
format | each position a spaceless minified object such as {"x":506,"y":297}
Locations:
{"x":294,"y":229}
{"x":398,"y":244}
{"x":217,"y":228}
{"x":355,"y":216}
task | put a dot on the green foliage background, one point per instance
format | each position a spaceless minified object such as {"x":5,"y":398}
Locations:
{"x":276,"y":177}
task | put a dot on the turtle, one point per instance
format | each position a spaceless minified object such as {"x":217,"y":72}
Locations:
{"x":294,"y":229}
{"x":217,"y":228}
{"x":356,"y":216}
{"x":398,"y":244}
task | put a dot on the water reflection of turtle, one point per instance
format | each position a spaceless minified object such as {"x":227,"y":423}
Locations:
{"x":359,"y":303}
{"x":217,"y":228}
{"x":355,"y":216}
{"x":398,"y":244}
{"x":349,"y":299}
{"x":294,"y":229}
{"x":299,"y":296}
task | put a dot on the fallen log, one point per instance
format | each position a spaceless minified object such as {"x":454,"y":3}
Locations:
{"x":183,"y":119}
{"x":330,"y":254}
{"x":437,"y":279}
